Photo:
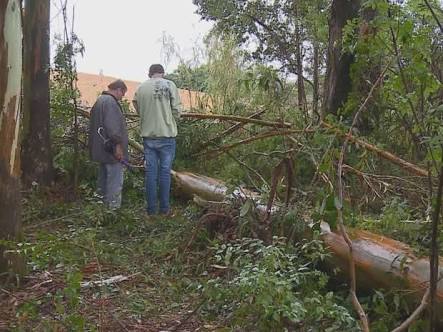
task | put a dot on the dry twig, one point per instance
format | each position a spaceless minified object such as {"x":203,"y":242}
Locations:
{"x":205,"y":218}
{"x":248,"y":140}
{"x":417,"y":312}
{"x":228,"y":131}
{"x":434,"y":15}
{"x":188,"y":316}
{"x":250,"y":169}
{"x":237,"y":119}
{"x":339,"y":207}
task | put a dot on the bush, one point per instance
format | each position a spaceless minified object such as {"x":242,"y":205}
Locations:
{"x":274,"y":287}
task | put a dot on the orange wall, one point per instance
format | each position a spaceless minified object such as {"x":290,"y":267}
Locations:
{"x":91,"y":85}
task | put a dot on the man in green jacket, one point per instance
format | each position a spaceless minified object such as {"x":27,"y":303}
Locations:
{"x":158,"y":103}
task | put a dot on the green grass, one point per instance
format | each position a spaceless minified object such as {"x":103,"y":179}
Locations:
{"x":66,"y":243}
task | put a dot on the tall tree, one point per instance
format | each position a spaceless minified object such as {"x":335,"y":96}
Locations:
{"x":301,"y":94}
{"x":36,"y":151}
{"x":277,"y":32}
{"x":10,"y":88}
{"x":338,"y":82}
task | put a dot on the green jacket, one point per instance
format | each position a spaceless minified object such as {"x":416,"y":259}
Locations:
{"x":159,"y":106}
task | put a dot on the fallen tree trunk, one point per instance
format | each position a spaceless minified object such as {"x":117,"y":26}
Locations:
{"x":202,"y":186}
{"x":380,"y":262}
{"x":211,"y":189}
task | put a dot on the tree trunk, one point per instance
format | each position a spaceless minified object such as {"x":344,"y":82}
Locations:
{"x":36,"y":150}
{"x":10,"y":88}
{"x":301,"y":94}
{"x":315,"y":76}
{"x":367,"y":75}
{"x":337,"y":81}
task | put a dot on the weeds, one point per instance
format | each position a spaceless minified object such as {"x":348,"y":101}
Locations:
{"x":69,"y":243}
{"x":238,"y":285}
{"x":274,"y":287}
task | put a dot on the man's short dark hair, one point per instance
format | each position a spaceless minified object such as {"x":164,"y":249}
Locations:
{"x":156,"y":69}
{"x":118,"y":84}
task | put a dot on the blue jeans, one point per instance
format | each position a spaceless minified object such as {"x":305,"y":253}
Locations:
{"x":159,"y":155}
{"x":110,"y":184}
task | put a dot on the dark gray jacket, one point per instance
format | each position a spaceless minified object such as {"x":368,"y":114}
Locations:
{"x":107,"y":113}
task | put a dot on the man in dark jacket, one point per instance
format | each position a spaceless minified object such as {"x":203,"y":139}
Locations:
{"x":108,"y":142}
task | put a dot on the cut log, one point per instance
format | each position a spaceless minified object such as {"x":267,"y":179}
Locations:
{"x":381,"y":262}
{"x":205,"y":187}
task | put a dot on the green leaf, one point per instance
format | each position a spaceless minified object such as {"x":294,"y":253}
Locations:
{"x":246,"y":208}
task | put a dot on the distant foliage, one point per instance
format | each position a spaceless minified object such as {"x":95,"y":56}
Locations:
{"x":267,"y":29}
{"x":190,"y":78}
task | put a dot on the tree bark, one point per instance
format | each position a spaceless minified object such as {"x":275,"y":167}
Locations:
{"x":36,"y":150}
{"x":10,"y":89}
{"x":337,"y":82}
{"x":434,"y":257}
{"x":315,"y":77}
{"x":301,"y":94}
{"x":368,"y":73}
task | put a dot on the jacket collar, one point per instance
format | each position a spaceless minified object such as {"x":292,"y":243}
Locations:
{"x":110,"y":94}
{"x":118,"y":103}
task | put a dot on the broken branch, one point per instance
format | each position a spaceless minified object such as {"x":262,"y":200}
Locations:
{"x":236,"y":119}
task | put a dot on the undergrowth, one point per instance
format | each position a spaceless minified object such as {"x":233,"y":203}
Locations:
{"x":211,"y":283}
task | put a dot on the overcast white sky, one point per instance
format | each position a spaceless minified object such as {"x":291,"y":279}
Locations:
{"x":123,"y":37}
